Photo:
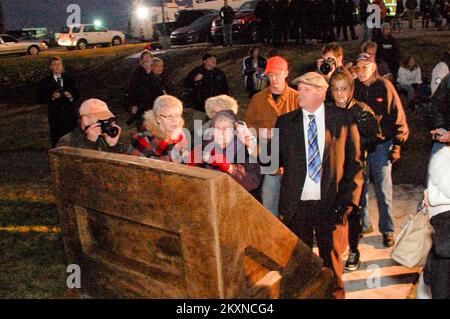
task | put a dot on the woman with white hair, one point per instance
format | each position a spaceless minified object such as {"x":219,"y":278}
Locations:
{"x":163,"y":137}
{"x":220,"y":103}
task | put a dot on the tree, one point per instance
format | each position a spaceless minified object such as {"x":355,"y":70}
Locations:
{"x":2,"y":19}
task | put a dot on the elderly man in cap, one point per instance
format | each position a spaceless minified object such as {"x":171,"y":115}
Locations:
{"x":323,"y":172}
{"x":205,"y":81}
{"x":97,"y":130}
{"x":380,"y":94}
{"x":264,"y":109}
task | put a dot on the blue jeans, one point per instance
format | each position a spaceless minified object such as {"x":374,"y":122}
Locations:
{"x":380,"y":168}
{"x":271,"y":193}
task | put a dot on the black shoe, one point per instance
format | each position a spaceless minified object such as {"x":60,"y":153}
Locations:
{"x":367,"y":231}
{"x":388,"y":240}
{"x":352,"y":261}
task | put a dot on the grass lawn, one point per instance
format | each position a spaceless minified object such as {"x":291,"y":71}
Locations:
{"x":31,"y":251}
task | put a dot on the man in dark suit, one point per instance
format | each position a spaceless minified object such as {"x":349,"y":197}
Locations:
{"x":58,"y":91}
{"x":319,"y":149}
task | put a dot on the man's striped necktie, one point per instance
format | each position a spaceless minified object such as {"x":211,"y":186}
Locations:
{"x":314,"y":161}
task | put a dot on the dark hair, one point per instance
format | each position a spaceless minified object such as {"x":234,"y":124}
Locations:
{"x":406,"y":62}
{"x":335,"y":47}
{"x":252,"y":49}
{"x":55,"y":58}
{"x":144,"y":54}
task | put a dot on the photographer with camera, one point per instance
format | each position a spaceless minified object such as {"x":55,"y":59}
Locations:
{"x":332,"y":60}
{"x":58,"y":91}
{"x":97,"y":130}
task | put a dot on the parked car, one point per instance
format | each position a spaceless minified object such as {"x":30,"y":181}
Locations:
{"x":183,"y":19}
{"x":80,"y":37}
{"x":10,"y":45}
{"x":197,"y":32}
{"x":244,"y":24}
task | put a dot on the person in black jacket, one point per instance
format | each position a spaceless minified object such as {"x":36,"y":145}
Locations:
{"x":263,"y":14}
{"x":388,"y":49}
{"x":344,"y":16}
{"x":206,"y":81}
{"x":227,"y":16}
{"x":59,"y":92}
{"x":146,"y":84}
{"x":381,"y":96}
{"x":253,"y":63}
{"x":363,"y":15}
{"x":342,"y":89}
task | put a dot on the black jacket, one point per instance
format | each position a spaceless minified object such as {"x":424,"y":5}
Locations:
{"x":214,"y":83}
{"x":144,"y":88}
{"x":344,"y":12}
{"x":249,"y":70}
{"x":382,"y":97}
{"x":440,"y":105}
{"x":60,"y":109}
{"x":227,"y":14}
{"x":388,"y":51}
{"x":342,"y":168}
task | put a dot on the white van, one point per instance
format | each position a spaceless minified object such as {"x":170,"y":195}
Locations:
{"x":81,"y":36}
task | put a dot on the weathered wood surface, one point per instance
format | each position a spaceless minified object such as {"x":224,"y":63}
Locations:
{"x":143,"y":228}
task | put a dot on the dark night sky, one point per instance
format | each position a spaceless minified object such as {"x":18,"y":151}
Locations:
{"x":52,"y":13}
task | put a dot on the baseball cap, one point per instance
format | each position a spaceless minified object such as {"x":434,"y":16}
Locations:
{"x":276,"y":63}
{"x":96,"y":108}
{"x":363,"y":57}
{"x":312,"y":78}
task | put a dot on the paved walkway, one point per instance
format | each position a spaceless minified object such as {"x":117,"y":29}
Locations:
{"x":395,"y":281}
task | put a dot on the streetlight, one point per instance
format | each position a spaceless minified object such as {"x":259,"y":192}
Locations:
{"x":98,"y":23}
{"x":142,"y":13}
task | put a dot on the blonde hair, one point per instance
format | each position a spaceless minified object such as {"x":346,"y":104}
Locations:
{"x":151,"y":117}
{"x":225,"y":102}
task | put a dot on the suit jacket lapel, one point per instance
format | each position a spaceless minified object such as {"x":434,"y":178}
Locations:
{"x":328,"y":134}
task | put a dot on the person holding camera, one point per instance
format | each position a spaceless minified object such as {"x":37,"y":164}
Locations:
{"x":59,"y":92}
{"x":228,"y":146}
{"x":97,"y":131}
{"x":381,"y":96}
{"x":332,"y":60}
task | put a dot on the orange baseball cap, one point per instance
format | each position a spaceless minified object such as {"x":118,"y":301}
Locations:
{"x":276,"y":63}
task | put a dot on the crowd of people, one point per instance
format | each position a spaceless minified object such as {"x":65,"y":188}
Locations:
{"x":329,"y":133}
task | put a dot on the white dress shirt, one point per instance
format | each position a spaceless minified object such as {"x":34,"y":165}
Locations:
{"x":56,"y":79}
{"x":311,"y":190}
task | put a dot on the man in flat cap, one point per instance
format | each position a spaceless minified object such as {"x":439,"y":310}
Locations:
{"x":319,"y":149}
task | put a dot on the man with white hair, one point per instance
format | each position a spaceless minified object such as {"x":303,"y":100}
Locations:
{"x":323,"y":172}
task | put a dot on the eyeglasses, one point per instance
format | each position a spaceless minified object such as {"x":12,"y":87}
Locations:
{"x":170,"y":117}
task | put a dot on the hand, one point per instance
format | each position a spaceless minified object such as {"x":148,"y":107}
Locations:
{"x":198,"y":77}
{"x":266,"y":133}
{"x":93,"y":132}
{"x":112,"y":141}
{"x":56,"y":95}
{"x":245,"y":136}
{"x":394,"y":156}
{"x":68,"y":95}
{"x":220,"y":161}
{"x":319,"y":63}
{"x":134,"y":109}
{"x":441,"y":135}
{"x":177,"y":136}
{"x":342,"y":213}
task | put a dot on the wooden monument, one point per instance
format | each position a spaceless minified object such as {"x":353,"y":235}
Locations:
{"x":141,"y":228}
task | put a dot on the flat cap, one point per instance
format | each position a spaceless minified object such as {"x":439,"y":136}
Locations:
{"x":313,"y":79}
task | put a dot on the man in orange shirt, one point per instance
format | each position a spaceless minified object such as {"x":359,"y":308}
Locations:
{"x":263,"y":111}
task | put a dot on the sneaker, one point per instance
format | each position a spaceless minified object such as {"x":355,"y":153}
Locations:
{"x":388,"y":240}
{"x":352,"y":261}
{"x":367,"y":231}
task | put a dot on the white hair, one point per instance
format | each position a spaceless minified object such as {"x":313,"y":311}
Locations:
{"x":225,"y":102}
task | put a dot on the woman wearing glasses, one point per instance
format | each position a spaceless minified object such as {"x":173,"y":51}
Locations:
{"x":163,"y":137}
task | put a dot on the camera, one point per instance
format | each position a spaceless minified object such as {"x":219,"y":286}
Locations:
{"x":327,"y":66}
{"x":108,"y":128}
